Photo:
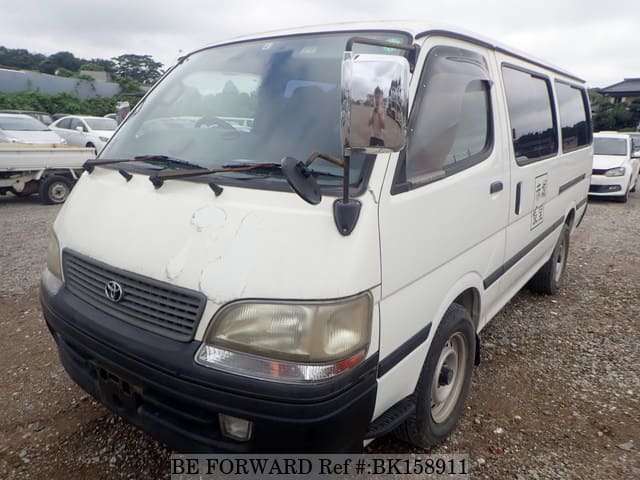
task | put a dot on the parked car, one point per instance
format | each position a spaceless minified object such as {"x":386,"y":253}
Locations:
{"x":635,"y":142}
{"x":615,"y":166}
{"x":111,"y":116}
{"x":58,"y":116}
{"x":20,"y":128}
{"x":44,"y":117}
{"x":224,"y":294}
{"x":93,"y":132}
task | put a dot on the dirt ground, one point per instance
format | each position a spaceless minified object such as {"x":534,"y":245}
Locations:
{"x":557,"y":393}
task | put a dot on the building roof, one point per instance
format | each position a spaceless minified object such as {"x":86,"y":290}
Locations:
{"x":629,"y":86}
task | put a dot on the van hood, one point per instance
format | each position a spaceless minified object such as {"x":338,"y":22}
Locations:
{"x":245,"y":243}
{"x":34,"y":136}
{"x":605,"y":162}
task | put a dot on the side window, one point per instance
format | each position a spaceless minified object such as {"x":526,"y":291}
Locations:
{"x":65,"y":123}
{"x":575,"y":125}
{"x":533,"y":125}
{"x":451,"y":123}
{"x":77,"y":123}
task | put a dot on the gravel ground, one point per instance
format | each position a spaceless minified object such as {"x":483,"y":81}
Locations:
{"x":556,"y":396}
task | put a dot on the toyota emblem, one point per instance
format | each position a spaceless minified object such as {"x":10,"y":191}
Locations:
{"x":113,"y":291}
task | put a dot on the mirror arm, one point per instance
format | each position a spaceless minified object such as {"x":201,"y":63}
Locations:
{"x":413,"y":50}
{"x":324,"y":156}
{"x":345,"y":179}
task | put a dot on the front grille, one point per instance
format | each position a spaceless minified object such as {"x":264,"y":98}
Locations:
{"x":146,"y":303}
{"x":597,"y":171}
{"x":604,"y":188}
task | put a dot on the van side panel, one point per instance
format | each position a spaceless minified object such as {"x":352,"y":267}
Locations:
{"x":436,"y":241}
{"x":543,"y":193}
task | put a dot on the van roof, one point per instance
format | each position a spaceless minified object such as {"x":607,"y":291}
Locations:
{"x":414,"y":28}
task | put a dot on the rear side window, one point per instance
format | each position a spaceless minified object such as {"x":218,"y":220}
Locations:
{"x":451,"y":123}
{"x":75,"y":123}
{"x":533,"y":126}
{"x":65,"y":123}
{"x":575,"y":125}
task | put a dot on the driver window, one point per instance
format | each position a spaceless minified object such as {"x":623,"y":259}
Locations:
{"x":450,"y":128}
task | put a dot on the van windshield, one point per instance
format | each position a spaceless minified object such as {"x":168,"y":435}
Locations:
{"x":609,"y":146}
{"x":251,"y":102}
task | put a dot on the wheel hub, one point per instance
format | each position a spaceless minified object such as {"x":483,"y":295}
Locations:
{"x":446,"y":386}
{"x":446,"y":375}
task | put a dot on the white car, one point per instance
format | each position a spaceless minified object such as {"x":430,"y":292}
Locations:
{"x":615,"y":166}
{"x":92,"y":132}
{"x":19,"y":128}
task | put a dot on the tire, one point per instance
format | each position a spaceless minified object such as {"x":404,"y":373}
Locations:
{"x":624,"y":198}
{"x":54,"y":189}
{"x":549,"y":278}
{"x":450,"y":359}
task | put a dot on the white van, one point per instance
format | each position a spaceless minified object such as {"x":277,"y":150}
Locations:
{"x":319,"y":279}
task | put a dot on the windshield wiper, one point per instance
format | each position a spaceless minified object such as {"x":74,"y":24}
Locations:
{"x":164,"y":159}
{"x":158,"y":178}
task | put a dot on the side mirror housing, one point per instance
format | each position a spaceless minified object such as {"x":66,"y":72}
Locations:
{"x":375,"y":102}
{"x":80,"y":129}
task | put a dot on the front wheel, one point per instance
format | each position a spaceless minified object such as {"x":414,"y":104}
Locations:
{"x":54,"y":189}
{"x":444,"y":381}
{"x":624,"y":198}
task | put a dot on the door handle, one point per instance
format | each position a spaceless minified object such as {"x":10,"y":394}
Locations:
{"x":518,"y":196}
{"x":496,"y":187}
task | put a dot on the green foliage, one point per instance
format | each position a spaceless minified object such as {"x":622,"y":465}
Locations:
{"x":58,"y":103}
{"x":20,"y":58}
{"x":141,"y":68}
{"x":92,"y":67}
{"x":613,"y":116}
{"x":106,"y":65}
{"x":66,"y":60}
{"x":129,"y":85}
{"x":64,"y":72}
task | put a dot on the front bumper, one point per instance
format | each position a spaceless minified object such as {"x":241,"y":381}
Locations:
{"x":602,"y":185}
{"x":153,"y":382}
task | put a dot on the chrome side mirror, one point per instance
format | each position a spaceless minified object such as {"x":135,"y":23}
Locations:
{"x":375,"y":102}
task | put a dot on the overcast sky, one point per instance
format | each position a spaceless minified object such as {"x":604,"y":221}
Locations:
{"x":596,"y":40}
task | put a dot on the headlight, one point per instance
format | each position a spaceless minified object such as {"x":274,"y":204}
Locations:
{"x":290,"y":342}
{"x":615,"y":172}
{"x":104,"y":139}
{"x":53,"y":256}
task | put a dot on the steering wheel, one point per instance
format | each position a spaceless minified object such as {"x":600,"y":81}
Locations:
{"x":213,"y":121}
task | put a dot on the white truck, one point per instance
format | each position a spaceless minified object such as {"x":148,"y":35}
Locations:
{"x":49,"y":170}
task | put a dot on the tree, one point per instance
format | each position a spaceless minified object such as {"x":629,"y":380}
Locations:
{"x":20,"y":58}
{"x":611,"y":116}
{"x":141,"y":68}
{"x":107,"y":65}
{"x":92,"y":67}
{"x":66,"y":60}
